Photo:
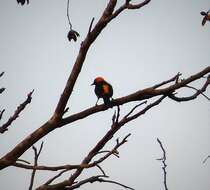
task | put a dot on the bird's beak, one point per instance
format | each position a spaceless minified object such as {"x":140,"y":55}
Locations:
{"x":92,"y":84}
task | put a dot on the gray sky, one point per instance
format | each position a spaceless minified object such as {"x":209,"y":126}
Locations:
{"x":138,"y":49}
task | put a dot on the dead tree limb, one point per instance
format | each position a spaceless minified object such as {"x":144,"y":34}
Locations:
{"x":163,"y":159}
{"x":19,"y":109}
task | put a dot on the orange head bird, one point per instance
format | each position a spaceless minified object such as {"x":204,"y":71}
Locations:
{"x":103,"y":90}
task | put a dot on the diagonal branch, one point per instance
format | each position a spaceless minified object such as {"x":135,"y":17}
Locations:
{"x":2,"y":90}
{"x":128,"y":5}
{"x":90,"y":38}
{"x":1,"y":74}
{"x":1,"y":113}
{"x":116,"y":127}
{"x":204,"y":161}
{"x":19,"y":109}
{"x":93,"y":179}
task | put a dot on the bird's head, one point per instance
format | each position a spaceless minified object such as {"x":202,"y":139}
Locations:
{"x":203,"y":13}
{"x":98,"y":80}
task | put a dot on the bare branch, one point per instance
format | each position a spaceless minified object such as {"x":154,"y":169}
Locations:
{"x":2,"y":90}
{"x":36,"y":157}
{"x":19,"y":109}
{"x":175,"y":78}
{"x":90,"y":27}
{"x":100,"y":168}
{"x":133,"y":109}
{"x":206,"y":159}
{"x":163,"y":159}
{"x":24,"y":161}
{"x":127,"y":5}
{"x":188,"y":98}
{"x":48,"y":168}
{"x":55,"y":177}
{"x":1,"y":74}
{"x":52,"y":124}
{"x":199,"y":91}
{"x":128,"y":119}
{"x":93,"y":179}
{"x":117,"y":183}
{"x":68,"y":15}
{"x":88,"y":180}
{"x":1,"y":113}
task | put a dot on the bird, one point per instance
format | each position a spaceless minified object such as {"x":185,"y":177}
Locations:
{"x":206,"y":16}
{"x":103,"y":90}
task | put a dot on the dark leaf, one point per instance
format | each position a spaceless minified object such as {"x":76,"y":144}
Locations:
{"x":73,"y":35}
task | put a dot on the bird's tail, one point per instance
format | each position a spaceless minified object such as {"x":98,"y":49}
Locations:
{"x":107,"y":101}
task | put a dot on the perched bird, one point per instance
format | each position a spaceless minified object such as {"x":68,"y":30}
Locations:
{"x":206,"y":16}
{"x":103,"y":90}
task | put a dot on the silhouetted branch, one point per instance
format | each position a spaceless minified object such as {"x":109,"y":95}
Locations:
{"x":198,"y":91}
{"x":100,"y":168}
{"x":2,"y":90}
{"x":56,"y":176}
{"x":133,"y":109}
{"x":128,"y":5}
{"x":24,"y":161}
{"x":1,"y":74}
{"x":175,"y":78}
{"x":52,"y":124}
{"x":68,"y":15}
{"x":163,"y":159}
{"x":81,"y":166}
{"x":91,"y":24}
{"x":195,"y":95}
{"x":204,"y":161}
{"x":36,"y":157}
{"x":93,"y":179}
{"x":1,"y":113}
{"x":19,"y":109}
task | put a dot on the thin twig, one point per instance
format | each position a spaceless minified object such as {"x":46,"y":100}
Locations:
{"x":91,"y":25}
{"x":68,"y":15}
{"x":24,"y":161}
{"x":117,"y":183}
{"x":19,"y":109}
{"x":163,"y":159}
{"x":93,"y":179}
{"x":175,"y":78}
{"x":55,"y":177}
{"x":195,"y":95}
{"x":204,"y":161}
{"x":133,"y":109}
{"x":2,"y":90}
{"x":199,"y":91}
{"x":1,"y":113}
{"x":1,"y":74}
{"x":100,"y":168}
{"x":36,"y":157}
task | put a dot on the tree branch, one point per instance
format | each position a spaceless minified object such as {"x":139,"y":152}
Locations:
{"x":19,"y":109}
{"x":93,"y":179}
{"x":163,"y":159}
{"x":195,"y":95}
{"x":204,"y":161}
{"x":49,"y":126}
{"x":36,"y":157}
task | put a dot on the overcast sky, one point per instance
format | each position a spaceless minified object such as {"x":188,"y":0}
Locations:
{"x":137,"y":50}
